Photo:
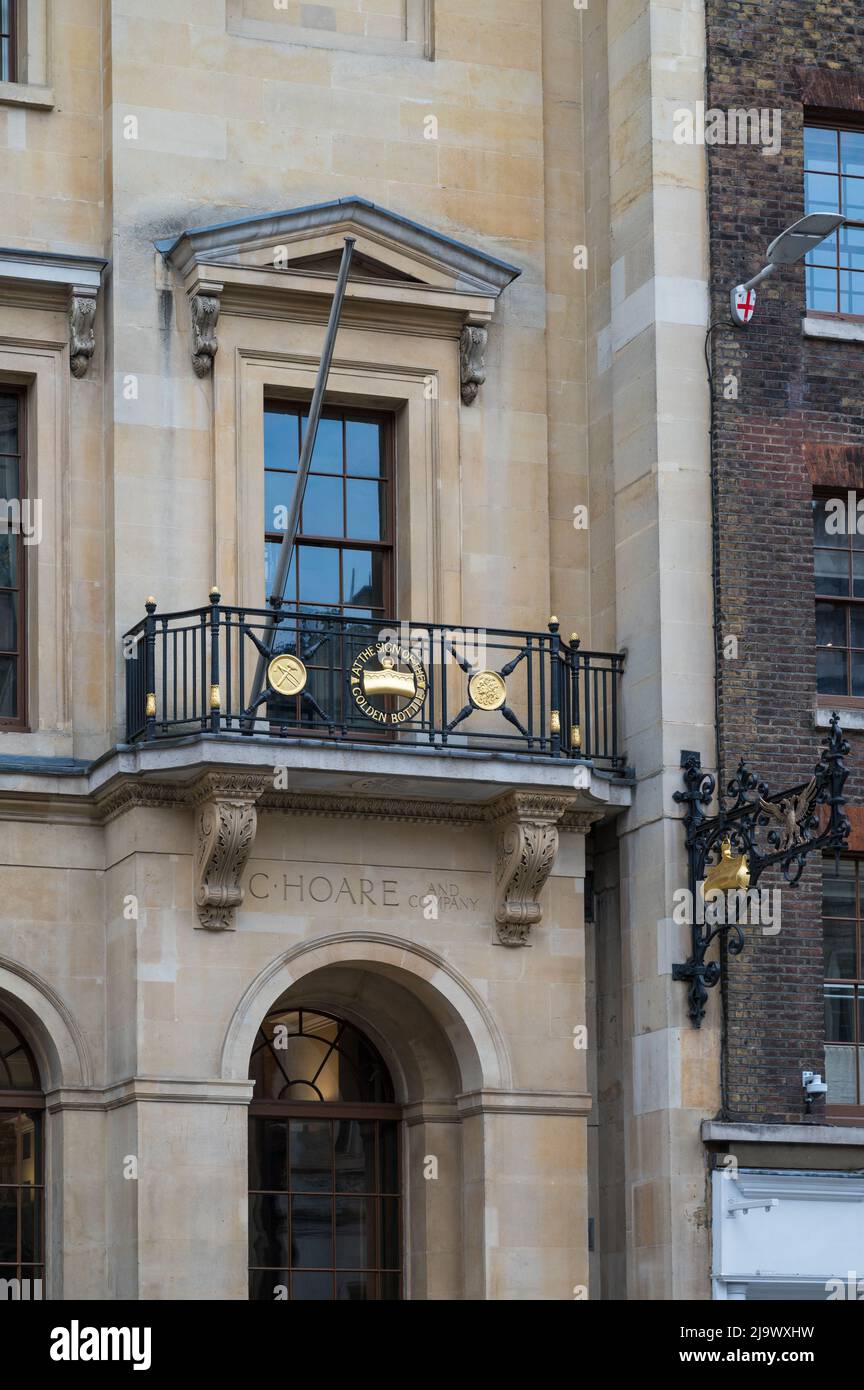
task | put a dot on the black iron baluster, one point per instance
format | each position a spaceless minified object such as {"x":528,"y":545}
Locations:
{"x":215,"y":692}
{"x":616,"y":672}
{"x":575,"y":713}
{"x":228,"y":683}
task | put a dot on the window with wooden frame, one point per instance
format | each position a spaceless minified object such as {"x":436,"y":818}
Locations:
{"x":344,"y":553}
{"x":13,"y":610}
{"x":834,"y":182}
{"x":324,"y":1167}
{"x":22,"y":1183}
{"x":9,"y":40}
{"x":843,"y":945}
{"x":341,"y":579}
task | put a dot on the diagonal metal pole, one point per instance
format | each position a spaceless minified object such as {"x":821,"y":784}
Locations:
{"x":292,"y":525}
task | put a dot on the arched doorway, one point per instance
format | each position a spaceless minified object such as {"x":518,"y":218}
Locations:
{"x":22,"y":1184}
{"x":324,"y":1163}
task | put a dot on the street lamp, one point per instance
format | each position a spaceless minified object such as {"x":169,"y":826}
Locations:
{"x":788,"y":248}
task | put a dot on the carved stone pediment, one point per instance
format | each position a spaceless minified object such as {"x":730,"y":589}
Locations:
{"x":226,"y":819}
{"x":525,"y":850}
{"x":284,"y":264}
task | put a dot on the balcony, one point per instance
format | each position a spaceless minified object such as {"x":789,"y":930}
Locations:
{"x":327,"y":676}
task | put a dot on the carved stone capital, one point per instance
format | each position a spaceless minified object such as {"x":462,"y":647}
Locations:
{"x":225,"y":823}
{"x":525,"y":850}
{"x":82,"y":328}
{"x":204,"y":307}
{"x":472,"y":365}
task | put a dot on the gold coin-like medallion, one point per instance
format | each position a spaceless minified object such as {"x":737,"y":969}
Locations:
{"x":286,"y":674}
{"x":487,"y":689}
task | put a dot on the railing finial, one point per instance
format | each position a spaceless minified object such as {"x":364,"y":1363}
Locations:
{"x":150,"y":604}
{"x":215,"y":595}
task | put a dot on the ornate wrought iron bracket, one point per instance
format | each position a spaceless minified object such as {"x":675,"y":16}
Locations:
{"x":753,"y":830}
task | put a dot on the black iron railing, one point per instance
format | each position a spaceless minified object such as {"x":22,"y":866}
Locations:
{"x":337,"y":677}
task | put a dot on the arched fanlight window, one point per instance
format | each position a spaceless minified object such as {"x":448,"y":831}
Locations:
{"x":21,"y":1162}
{"x":300,"y":1055}
{"x":324,"y":1187}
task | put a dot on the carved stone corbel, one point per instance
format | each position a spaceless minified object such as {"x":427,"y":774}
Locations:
{"x":204,"y":307}
{"x":526,"y":846}
{"x":472,"y":364}
{"x":82,"y":328}
{"x":225,"y":823}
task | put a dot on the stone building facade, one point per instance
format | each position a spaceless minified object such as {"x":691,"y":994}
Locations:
{"x":293,"y":1004}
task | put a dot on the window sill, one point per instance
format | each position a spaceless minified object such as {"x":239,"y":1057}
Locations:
{"x":23,"y":94}
{"x":851,"y":716}
{"x":835,"y":327}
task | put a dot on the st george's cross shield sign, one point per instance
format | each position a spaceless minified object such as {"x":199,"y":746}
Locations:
{"x":743,"y":304}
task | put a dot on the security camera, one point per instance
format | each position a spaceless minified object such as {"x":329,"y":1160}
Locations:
{"x":813,"y":1083}
{"x":813,"y":1086}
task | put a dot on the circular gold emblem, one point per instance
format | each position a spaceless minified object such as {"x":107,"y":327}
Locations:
{"x":487,"y":689}
{"x":286,"y":674}
{"x":399,"y":674}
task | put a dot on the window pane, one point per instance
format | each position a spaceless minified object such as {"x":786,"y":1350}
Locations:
{"x":312,"y":1288}
{"x":832,"y":572}
{"x":390,"y":1233}
{"x":830,"y":625}
{"x":839,"y":1013}
{"x":264,"y":1284}
{"x":363,"y":448}
{"x":820,"y":149}
{"x":838,"y":888}
{"x":355,"y":1156}
{"x":821,"y":192}
{"x":853,"y":199}
{"x":319,"y":574}
{"x":821,"y":290}
{"x":858,"y":574}
{"x":831,"y":672}
{"x":8,"y":1224}
{"x":9,"y":487}
{"x":858,"y":673}
{"x":8,"y":622}
{"x":9,"y":407}
{"x":389,"y":1134}
{"x":355,"y":1232}
{"x":829,"y":521}
{"x":825,"y":253}
{"x":327,"y":457}
{"x":366,"y":502}
{"x":840,"y":1075}
{"x":322,"y":507}
{"x":271,"y":560}
{"x":856,"y":616}
{"x":363,"y":578}
{"x":278,"y":494}
{"x":268,"y":1230}
{"x":8,"y":561}
{"x":280,"y":439}
{"x":8,"y":687}
{"x":31,"y":1225}
{"x":852,"y":289}
{"x":311,"y":1232}
{"x":311,"y":1156}
{"x":355,"y":1288}
{"x":388,"y":1287}
{"x":852,"y":152}
{"x":268,"y":1154}
{"x":851,"y":248}
{"x":839,"y":948}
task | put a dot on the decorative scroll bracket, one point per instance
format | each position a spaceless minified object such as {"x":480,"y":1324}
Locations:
{"x":525,"y":850}
{"x":204,"y":306}
{"x":82,"y":328}
{"x":225,"y":823}
{"x":753,"y":831}
{"x":472,"y":363}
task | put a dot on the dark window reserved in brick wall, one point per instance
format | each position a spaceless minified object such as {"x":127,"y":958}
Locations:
{"x":844,"y":984}
{"x":793,"y":427}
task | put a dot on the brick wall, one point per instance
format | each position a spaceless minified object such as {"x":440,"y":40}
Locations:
{"x":798,"y":422}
